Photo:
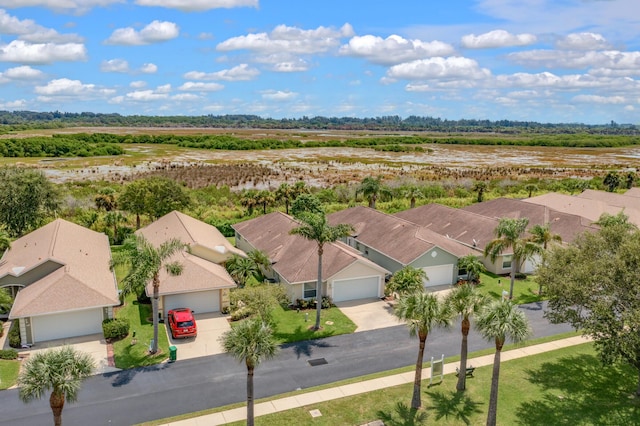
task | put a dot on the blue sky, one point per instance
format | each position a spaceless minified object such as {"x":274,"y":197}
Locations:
{"x":539,"y":60}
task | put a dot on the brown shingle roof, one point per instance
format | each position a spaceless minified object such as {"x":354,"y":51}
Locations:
{"x":397,"y":238}
{"x":613,"y":199}
{"x":295,"y":258}
{"x":471,"y":229}
{"x":567,"y":225}
{"x":83,"y":281}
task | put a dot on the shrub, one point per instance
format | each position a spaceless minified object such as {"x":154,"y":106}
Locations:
{"x":521,"y":276}
{"x":115,"y":328}
{"x":15,"y":341}
{"x":240,"y":313}
{"x":8,"y":354}
{"x":143,"y":299}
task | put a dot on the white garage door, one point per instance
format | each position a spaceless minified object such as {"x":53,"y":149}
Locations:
{"x":199,"y":302}
{"x":68,"y":324}
{"x":439,"y":275}
{"x":356,"y":288}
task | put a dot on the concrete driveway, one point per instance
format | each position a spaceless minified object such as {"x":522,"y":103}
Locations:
{"x":369,"y":314}
{"x":210,"y":327}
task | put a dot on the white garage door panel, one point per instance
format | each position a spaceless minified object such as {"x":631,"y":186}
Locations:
{"x":68,"y":324}
{"x":200,"y":302}
{"x":439,"y":275}
{"x":357,"y":288}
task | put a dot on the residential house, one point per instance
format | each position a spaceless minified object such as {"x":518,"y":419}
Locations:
{"x":61,"y":280}
{"x":346,"y":274}
{"x":204,"y":284}
{"x":393,"y":243}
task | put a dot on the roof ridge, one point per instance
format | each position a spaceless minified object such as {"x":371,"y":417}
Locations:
{"x":186,"y":228}
{"x":54,"y":238}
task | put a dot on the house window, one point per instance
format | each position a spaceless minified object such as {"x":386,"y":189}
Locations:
{"x":506,"y":262}
{"x":309,"y":290}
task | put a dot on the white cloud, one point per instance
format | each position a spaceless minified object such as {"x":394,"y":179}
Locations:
{"x":67,"y":88}
{"x":155,"y":32}
{"x":182,"y":97}
{"x":595,"y":99}
{"x":279,"y":95}
{"x":610,"y":59}
{"x":22,"y":73}
{"x":145,"y":96}
{"x":566,"y":82}
{"x":77,"y":6}
{"x":583,"y":41}
{"x":149,"y":68}
{"x":201,"y":87}
{"x":138,"y":84}
{"x":242,"y":72}
{"x":288,"y":39}
{"x":454,"y":67}
{"x":394,"y":49}
{"x":15,"y":105}
{"x":41,"y":53}
{"x":198,"y":5}
{"x":114,"y":65}
{"x":497,"y":38}
{"x":28,"y":30}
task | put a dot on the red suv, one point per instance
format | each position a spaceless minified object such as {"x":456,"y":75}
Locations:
{"x":182,"y":323}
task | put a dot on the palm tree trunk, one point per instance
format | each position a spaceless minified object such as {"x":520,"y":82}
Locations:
{"x":462,"y":375}
{"x":417,"y":381}
{"x":250,"y":415}
{"x":495,"y":379}
{"x":513,"y":278}
{"x":156,"y":296}
{"x":137,"y":220}
{"x":638,"y":388}
{"x":56,"y":402}
{"x":319,"y":290}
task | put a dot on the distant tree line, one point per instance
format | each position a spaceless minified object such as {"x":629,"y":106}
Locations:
{"x":55,"y":147}
{"x":21,"y":120}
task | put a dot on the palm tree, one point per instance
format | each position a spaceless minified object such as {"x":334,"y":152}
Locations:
{"x":473,"y":266}
{"x":314,"y":227}
{"x":422,"y":312}
{"x":250,"y":341}
{"x":542,"y":235}
{"x":466,"y":301}
{"x":499,"y":321}
{"x":265,"y":198}
{"x":262,"y":262}
{"x":113,"y":218}
{"x":249,"y":199}
{"x":241,"y":269}
{"x":531,"y":188}
{"x":407,"y":280}
{"x":509,"y":235}
{"x":412,"y":193}
{"x":145,"y":263}
{"x":612,"y":181}
{"x":480,"y":187}
{"x":286,"y":193}
{"x":372,"y":189}
{"x":60,"y":371}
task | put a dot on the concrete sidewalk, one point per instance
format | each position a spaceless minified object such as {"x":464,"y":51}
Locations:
{"x":310,"y":398}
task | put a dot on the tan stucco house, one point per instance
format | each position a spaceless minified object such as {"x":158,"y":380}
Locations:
{"x":61,"y":280}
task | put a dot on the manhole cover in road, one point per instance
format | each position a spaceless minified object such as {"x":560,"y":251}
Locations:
{"x":317,"y":361}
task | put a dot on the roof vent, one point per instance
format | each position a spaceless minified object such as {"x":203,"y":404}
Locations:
{"x":220,"y":249}
{"x":17,"y":270}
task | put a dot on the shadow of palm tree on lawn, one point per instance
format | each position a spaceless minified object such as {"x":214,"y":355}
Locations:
{"x":404,"y":416}
{"x":454,"y":405}
{"x":579,"y":390}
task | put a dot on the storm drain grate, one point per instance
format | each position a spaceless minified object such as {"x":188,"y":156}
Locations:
{"x":317,"y":361}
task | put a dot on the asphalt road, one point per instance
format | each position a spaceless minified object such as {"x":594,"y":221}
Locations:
{"x":138,"y":395}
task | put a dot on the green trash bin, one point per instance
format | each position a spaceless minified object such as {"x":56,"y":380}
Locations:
{"x":173,"y":353}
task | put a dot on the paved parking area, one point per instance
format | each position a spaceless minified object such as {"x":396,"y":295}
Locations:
{"x":369,"y":314}
{"x":210,"y":327}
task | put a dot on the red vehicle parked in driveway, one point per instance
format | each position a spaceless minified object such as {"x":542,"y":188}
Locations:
{"x":182,"y":323}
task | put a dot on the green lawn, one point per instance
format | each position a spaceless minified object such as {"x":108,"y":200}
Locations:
{"x":294,"y":326}
{"x":567,"y":386}
{"x":128,"y":355}
{"x":524,"y":290}
{"x":8,"y":373}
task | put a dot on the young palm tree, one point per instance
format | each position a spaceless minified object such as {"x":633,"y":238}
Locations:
{"x":314,"y":227}
{"x":241,"y":269}
{"x":465,"y":301}
{"x":60,"y":371}
{"x":509,"y":235}
{"x":261,"y":261}
{"x":372,"y":189}
{"x":422,"y":312}
{"x":473,"y":266}
{"x":413,"y":193}
{"x":407,"y":280}
{"x":145,"y":263}
{"x":480,"y":187}
{"x":499,"y":321}
{"x":250,"y":341}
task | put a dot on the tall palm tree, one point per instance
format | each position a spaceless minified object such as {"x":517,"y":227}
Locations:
{"x":250,"y":341}
{"x":466,"y":301}
{"x":422,"y":312}
{"x":145,"y":263}
{"x":265,"y":198}
{"x":509,"y":235}
{"x":60,"y":371}
{"x":413,"y":193}
{"x":499,"y":321}
{"x":372,"y":189}
{"x":286,"y":193}
{"x":314,"y":227}
{"x":407,"y":280}
{"x":543,"y":236}
{"x":473,"y":266}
